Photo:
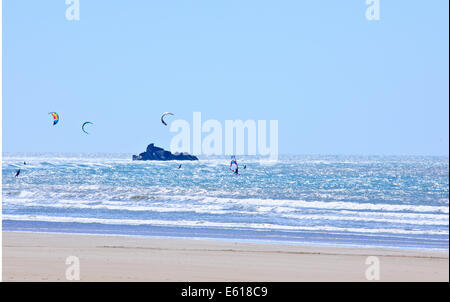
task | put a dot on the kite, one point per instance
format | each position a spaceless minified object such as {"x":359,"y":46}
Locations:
{"x":82,"y":127}
{"x":162,"y":117}
{"x":55,"y":117}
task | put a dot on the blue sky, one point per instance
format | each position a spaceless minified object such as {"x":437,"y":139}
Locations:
{"x":336,"y":82}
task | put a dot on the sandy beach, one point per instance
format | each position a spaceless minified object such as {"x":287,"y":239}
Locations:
{"x":42,"y":257}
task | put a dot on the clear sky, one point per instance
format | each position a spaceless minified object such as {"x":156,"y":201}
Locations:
{"x":336,"y":82}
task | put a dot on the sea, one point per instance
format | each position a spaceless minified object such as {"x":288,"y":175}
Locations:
{"x":399,"y":202}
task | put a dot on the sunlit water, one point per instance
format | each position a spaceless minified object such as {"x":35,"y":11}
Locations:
{"x":400,"y":202}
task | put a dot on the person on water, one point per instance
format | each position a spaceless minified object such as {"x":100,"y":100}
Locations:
{"x":17,"y":173}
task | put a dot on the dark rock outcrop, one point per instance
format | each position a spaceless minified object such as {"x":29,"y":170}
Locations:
{"x":156,"y":153}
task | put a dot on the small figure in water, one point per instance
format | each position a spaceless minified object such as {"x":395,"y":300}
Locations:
{"x":24,"y":163}
{"x":234,"y":162}
{"x":17,"y":173}
{"x":179,"y":167}
{"x":245,"y":167}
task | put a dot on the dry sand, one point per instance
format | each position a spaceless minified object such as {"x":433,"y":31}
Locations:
{"x":42,"y":257}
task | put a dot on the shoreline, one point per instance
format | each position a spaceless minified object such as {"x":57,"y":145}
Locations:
{"x":247,"y":241}
{"x":254,"y":235}
{"x":32,"y":256}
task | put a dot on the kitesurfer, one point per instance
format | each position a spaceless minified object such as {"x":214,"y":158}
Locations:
{"x":234,"y":162}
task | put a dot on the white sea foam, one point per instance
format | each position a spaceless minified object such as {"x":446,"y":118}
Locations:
{"x":230,"y":225}
{"x":224,"y":209}
{"x":326,"y":205}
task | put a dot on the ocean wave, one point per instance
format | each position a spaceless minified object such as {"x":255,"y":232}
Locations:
{"x":296,"y":204}
{"x":262,"y":205}
{"x":230,"y":225}
{"x":435,"y":219}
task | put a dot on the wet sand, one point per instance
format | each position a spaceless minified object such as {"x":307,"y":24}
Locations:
{"x":42,"y":257}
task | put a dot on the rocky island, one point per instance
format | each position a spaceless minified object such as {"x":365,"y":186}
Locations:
{"x":156,"y":153}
